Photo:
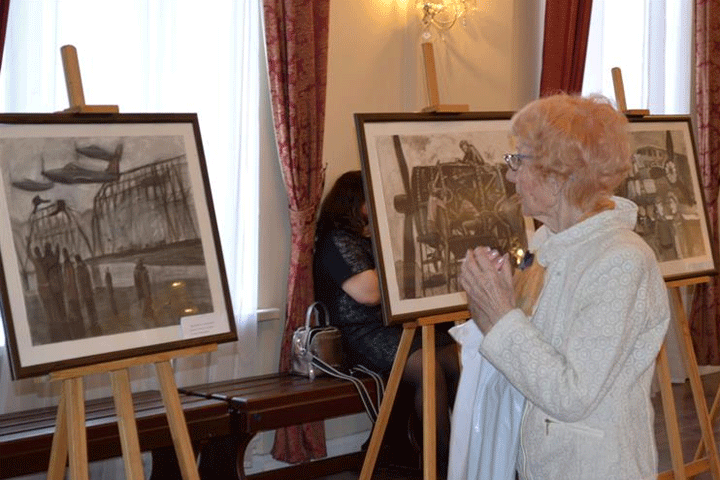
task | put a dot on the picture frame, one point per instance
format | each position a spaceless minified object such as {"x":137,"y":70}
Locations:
{"x":665,"y":184}
{"x":109,"y":246}
{"x":435,"y":186}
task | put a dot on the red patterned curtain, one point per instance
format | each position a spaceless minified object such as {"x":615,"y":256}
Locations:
{"x":705,"y":313}
{"x":4,"y":9}
{"x":567,"y":23}
{"x":296,"y":33}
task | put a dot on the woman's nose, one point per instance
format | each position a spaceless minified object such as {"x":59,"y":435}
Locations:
{"x":511,"y":175}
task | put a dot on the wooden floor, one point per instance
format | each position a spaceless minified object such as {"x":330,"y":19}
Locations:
{"x":689,"y":426}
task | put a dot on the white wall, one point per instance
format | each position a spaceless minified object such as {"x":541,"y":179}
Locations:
{"x":375,"y":65}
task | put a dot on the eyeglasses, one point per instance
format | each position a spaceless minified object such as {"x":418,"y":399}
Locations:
{"x":514,"y":160}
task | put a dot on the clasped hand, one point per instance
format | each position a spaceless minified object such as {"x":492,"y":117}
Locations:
{"x":486,"y":277}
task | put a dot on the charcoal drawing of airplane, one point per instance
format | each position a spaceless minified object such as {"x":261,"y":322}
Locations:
{"x":76,"y":173}
{"x":30,"y":185}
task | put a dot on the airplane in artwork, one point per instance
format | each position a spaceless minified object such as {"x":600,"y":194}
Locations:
{"x":30,"y":185}
{"x":76,"y":173}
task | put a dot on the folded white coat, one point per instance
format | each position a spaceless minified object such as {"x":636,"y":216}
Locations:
{"x":486,"y":417}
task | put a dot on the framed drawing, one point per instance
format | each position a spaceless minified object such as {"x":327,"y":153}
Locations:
{"x":664,"y":183}
{"x":109,"y":247}
{"x":436,"y":187}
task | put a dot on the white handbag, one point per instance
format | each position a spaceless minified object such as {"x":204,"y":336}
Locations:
{"x":318,"y":351}
{"x":323,"y":342}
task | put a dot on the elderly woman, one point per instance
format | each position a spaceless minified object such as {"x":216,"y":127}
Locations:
{"x":576,"y":332}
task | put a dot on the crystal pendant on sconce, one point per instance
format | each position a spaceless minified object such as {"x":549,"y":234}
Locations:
{"x":432,"y":34}
{"x":443,"y":14}
{"x":469,"y":8}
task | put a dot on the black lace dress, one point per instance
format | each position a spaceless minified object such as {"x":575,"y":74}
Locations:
{"x":367,"y":341}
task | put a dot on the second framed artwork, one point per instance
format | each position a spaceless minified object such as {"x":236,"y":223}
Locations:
{"x":109,"y":245}
{"x":436,"y":186}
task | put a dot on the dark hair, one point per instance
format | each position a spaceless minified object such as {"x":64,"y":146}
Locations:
{"x":341,"y":207}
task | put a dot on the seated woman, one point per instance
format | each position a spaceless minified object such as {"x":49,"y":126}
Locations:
{"x":346,"y":280}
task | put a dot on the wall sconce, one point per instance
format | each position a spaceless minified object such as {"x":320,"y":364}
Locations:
{"x":443,"y":14}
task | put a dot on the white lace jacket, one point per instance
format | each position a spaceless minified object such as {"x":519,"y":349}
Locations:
{"x":586,"y":357}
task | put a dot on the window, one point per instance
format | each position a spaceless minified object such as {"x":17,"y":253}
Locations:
{"x":651,"y":42}
{"x":152,"y":56}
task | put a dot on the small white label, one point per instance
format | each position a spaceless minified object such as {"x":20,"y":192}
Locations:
{"x":201,"y":326}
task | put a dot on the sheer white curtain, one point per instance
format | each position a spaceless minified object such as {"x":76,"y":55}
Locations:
{"x":651,"y":42}
{"x":151,"y":56}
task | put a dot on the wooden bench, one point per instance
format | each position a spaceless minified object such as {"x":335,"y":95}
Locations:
{"x":273,"y":401}
{"x":26,"y":437}
{"x":222,"y":419}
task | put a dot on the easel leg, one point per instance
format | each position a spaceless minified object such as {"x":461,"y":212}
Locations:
{"x":71,"y":431}
{"x":77,"y":435}
{"x":714,"y":410}
{"x":387,"y":403}
{"x":429,"y":406}
{"x":671,"y":421}
{"x":176,"y":421}
{"x":696,"y":384}
{"x":126,"y":424}
{"x":59,"y":449}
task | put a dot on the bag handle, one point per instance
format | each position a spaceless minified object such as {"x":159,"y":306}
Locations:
{"x":370,"y":408}
{"x":315,"y":307}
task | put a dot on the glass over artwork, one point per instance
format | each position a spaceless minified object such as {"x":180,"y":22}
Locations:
{"x":437,"y":188}
{"x":112,"y":243}
{"x":664,"y":183}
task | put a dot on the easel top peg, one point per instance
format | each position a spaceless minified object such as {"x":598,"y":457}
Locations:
{"x":620,"y":95}
{"x":73,"y":82}
{"x":432,"y":84}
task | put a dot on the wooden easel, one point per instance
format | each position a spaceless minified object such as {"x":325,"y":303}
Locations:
{"x":70,"y":439}
{"x":427,"y":325}
{"x":711,"y":462}
{"x":432,"y":84}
